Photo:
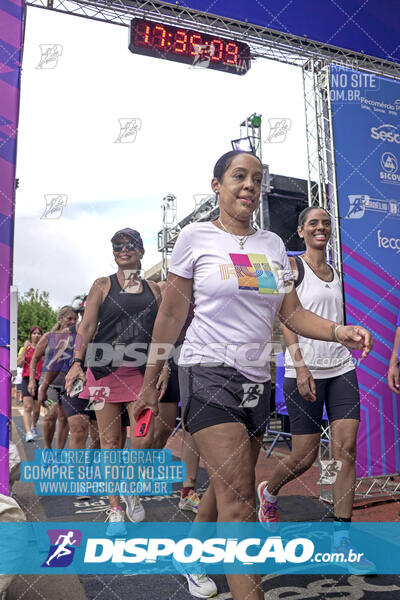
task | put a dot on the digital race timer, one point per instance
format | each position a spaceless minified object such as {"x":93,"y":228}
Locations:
{"x":192,"y":47}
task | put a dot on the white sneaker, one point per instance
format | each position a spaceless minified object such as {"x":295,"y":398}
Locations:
{"x":201,"y":586}
{"x":116,"y":522}
{"x":190,"y":502}
{"x":134,"y":508}
{"x":29,"y":437}
{"x":34,"y":432}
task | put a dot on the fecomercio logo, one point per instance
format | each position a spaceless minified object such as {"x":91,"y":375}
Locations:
{"x":62,"y":547}
{"x":386,"y":133}
{"x":391,"y":243}
{"x":188,"y":550}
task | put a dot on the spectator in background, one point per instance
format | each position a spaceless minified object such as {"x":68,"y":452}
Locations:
{"x":31,"y":403}
{"x":393,"y":373}
{"x":17,"y":385}
{"x":66,"y":318}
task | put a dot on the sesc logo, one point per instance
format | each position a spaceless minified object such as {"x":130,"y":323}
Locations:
{"x":386,"y":133}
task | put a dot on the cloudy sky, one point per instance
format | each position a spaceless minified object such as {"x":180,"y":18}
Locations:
{"x":69,"y":124}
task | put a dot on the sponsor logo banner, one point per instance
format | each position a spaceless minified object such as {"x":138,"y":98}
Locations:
{"x":150,"y":548}
{"x":367,"y":157}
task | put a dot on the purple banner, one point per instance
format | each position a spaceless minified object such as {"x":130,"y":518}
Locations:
{"x":11,"y":32}
{"x":365,"y":114}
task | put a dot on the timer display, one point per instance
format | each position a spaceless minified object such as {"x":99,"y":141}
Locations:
{"x":191,"y":47}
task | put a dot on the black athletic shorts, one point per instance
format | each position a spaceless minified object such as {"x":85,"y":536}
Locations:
{"x":24,"y":388}
{"x":340,"y":395}
{"x":172,"y":393}
{"x":79,"y":406}
{"x":213,"y":395}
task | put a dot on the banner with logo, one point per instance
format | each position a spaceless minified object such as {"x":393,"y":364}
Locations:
{"x":11,"y":15}
{"x":215,"y":548}
{"x":366,"y":130}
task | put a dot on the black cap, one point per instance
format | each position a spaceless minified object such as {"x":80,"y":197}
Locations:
{"x":128,"y":232}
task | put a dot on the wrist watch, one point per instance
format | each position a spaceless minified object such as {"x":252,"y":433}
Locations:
{"x":78,"y":360}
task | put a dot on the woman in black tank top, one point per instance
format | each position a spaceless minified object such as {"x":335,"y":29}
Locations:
{"x":113,"y":338}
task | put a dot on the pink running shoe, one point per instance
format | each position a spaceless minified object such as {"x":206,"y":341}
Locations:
{"x":268,"y":511}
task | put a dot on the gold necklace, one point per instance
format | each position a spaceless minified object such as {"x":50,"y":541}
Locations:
{"x":240,"y":240}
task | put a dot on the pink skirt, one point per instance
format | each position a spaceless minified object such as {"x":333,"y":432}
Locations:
{"x":123,"y":385}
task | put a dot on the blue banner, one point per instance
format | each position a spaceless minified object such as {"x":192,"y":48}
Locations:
{"x":366,"y":131}
{"x":103,"y":472}
{"x":369,"y":27}
{"x":150,"y":548}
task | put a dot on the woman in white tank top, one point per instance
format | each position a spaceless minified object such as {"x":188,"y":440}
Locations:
{"x":316,"y":373}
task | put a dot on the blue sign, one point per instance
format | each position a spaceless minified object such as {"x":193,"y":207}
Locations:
{"x":151,"y":548}
{"x":371,"y":27}
{"x":366,"y":131}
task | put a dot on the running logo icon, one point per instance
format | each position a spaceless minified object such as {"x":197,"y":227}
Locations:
{"x":55,"y":204}
{"x":202,"y":55}
{"x":62,"y":547}
{"x":278,"y":130}
{"x":97,"y":397}
{"x":128,"y":129}
{"x":251,"y":394}
{"x":50,"y":54}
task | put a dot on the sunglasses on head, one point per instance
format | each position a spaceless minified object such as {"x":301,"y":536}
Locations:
{"x":127,"y":245}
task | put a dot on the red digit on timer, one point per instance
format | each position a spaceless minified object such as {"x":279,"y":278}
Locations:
{"x":180,"y":43}
{"x":195,"y":39}
{"x":218,"y":48}
{"x":159,"y":35}
{"x":231,"y":51}
{"x":142,"y":34}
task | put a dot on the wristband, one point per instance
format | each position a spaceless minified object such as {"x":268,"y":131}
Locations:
{"x":78,"y":360}
{"x":335,"y":333}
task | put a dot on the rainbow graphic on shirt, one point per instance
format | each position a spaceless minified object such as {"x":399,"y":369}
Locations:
{"x":254,"y":272}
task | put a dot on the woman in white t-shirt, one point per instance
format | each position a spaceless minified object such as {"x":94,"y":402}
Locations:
{"x":318,"y":373}
{"x":240,"y":278}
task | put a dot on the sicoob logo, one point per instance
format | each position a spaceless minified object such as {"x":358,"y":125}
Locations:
{"x":62,"y":547}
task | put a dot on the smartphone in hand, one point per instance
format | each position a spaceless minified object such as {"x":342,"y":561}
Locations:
{"x":143,"y":423}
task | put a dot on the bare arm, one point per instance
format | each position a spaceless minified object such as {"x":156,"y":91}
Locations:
{"x":167,"y":327}
{"x":306,"y":323}
{"x":393,"y":372}
{"x":87,"y":328}
{"x":37,"y":355}
{"x":21,"y":356}
{"x":48,"y":379}
{"x":305,"y":381}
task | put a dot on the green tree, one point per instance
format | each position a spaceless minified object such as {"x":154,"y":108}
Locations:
{"x":34,"y":309}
